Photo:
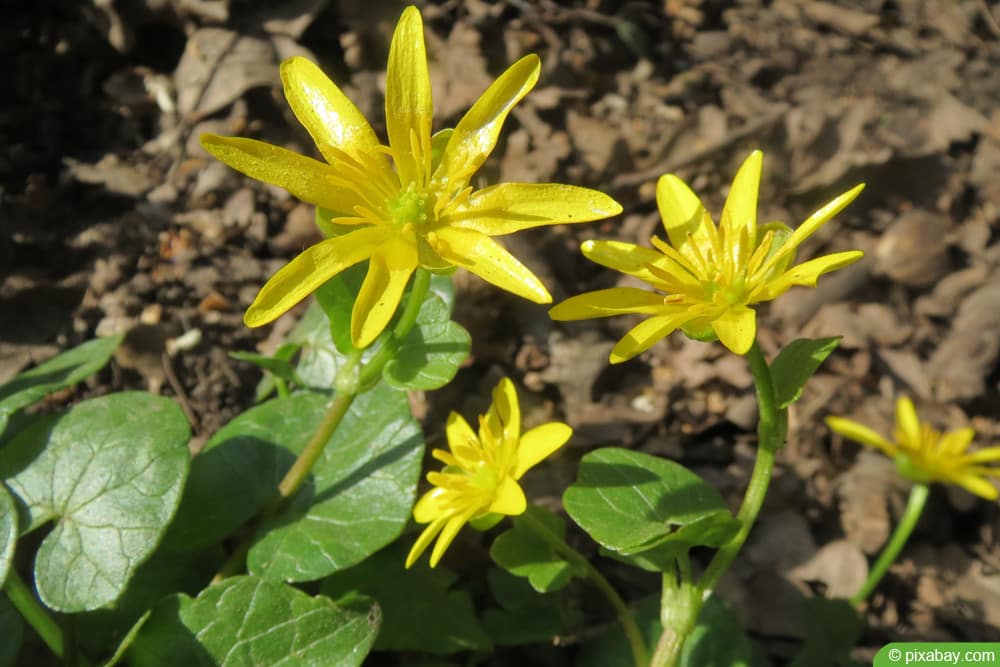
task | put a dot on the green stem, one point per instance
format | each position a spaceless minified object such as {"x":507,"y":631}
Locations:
{"x":577,"y":560}
{"x":771,"y":431}
{"x":24,"y":601}
{"x":914,"y":508}
{"x":348,"y":390}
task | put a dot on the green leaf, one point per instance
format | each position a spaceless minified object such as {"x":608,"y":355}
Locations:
{"x":319,"y":358}
{"x":279,"y":371}
{"x":60,"y":372}
{"x":12,"y":631}
{"x":111,"y":471}
{"x":831,"y":630}
{"x":612,"y":648}
{"x":633,"y":503}
{"x":524,"y":616}
{"x":717,"y":640}
{"x":420,"y":609}
{"x":432,"y":352}
{"x":248,"y":621}
{"x":358,"y":498}
{"x":8,"y":532}
{"x":521,"y":552}
{"x":336,"y":297}
{"x":795,"y":364}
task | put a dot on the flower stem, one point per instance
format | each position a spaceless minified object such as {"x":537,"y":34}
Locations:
{"x":771,"y":431}
{"x":348,"y":390}
{"x":632,"y":633}
{"x":914,"y":508}
{"x":24,"y":601}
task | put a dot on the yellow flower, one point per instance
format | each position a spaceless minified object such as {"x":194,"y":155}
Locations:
{"x":925,"y":455}
{"x":479,"y":480}
{"x":710,"y":275}
{"x":408,"y":204}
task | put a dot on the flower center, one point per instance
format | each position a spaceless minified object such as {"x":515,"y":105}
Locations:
{"x":410,"y":207}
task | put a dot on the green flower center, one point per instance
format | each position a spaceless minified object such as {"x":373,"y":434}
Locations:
{"x":410,"y":207}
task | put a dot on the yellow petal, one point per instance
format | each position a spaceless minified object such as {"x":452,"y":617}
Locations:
{"x":426,"y":537}
{"x":507,"y":407}
{"x":430,"y":506}
{"x":907,"y":422}
{"x":986,"y":455}
{"x":390,"y":268}
{"x":627,"y":258}
{"x":681,"y":210}
{"x":806,"y":273}
{"x":305,"y":178}
{"x":608,"y":302}
{"x":955,"y":444}
{"x":489,"y":260}
{"x":476,"y":134}
{"x":812,"y":223}
{"x":538,"y":443}
{"x":736,"y":328}
{"x":327,"y":114}
{"x":860,"y":433}
{"x":739,"y":215}
{"x":647,"y":333}
{"x":313,"y":267}
{"x":409,"y":107}
{"x":509,"y":498}
{"x":511,"y":207}
{"x":459,"y":434}
{"x":447,"y":536}
{"x":977,"y":485}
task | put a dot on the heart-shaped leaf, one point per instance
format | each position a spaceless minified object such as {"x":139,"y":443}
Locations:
{"x":795,"y":364}
{"x":111,"y":471}
{"x":248,"y":621}
{"x":61,"y":371}
{"x":523,"y":553}
{"x":430,"y":355}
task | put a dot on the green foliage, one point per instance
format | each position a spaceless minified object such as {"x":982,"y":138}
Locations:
{"x":280,"y":372}
{"x":645,"y":507}
{"x":524,"y":616}
{"x":717,"y":640}
{"x":60,"y":372}
{"x":421,"y":611}
{"x":521,"y":552}
{"x":795,"y":364}
{"x":12,"y":632}
{"x":249,"y":621}
{"x":431,"y":353}
{"x":610,"y":646}
{"x":831,"y":629}
{"x":8,"y":532}
{"x":111,"y":471}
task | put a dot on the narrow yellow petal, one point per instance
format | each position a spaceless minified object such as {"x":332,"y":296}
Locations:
{"x":647,"y":333}
{"x":627,"y":258}
{"x":476,"y":134}
{"x":507,"y":407}
{"x":459,"y":434}
{"x":955,"y":443}
{"x":305,"y":178}
{"x":489,"y":260}
{"x":681,"y":210}
{"x":812,"y":223}
{"x":977,"y":485}
{"x":426,"y":537}
{"x":327,"y":114}
{"x":390,"y":268}
{"x":907,"y":423}
{"x":409,"y":107}
{"x":511,"y":207}
{"x":447,"y":536}
{"x":986,"y":455}
{"x":739,"y":215}
{"x":539,"y":443}
{"x":608,"y":302}
{"x":313,"y":267}
{"x":807,"y":273}
{"x":509,"y":498}
{"x":430,"y":506}
{"x":860,"y":433}
{"x":736,"y":328}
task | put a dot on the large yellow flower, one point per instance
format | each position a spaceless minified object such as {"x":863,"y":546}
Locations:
{"x":408,"y":204}
{"x":481,"y":472}
{"x":710,"y":275}
{"x":925,"y":455}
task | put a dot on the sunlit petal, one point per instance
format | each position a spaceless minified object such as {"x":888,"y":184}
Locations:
{"x":509,"y":498}
{"x":806,"y":273}
{"x":907,"y":422}
{"x":739,"y":216}
{"x":986,"y":455}
{"x":313,"y":267}
{"x":736,"y":328}
{"x":646,"y":334}
{"x":860,"y":433}
{"x":489,"y":260}
{"x":458,"y":432}
{"x":508,"y":408}
{"x":608,"y":302}
{"x":430,"y":505}
{"x":539,"y":443}
{"x":627,"y":258}
{"x":447,"y":536}
{"x":426,"y":537}
{"x":681,"y":210}
{"x":390,"y":268}
{"x":978,"y":486}
{"x":409,"y":107}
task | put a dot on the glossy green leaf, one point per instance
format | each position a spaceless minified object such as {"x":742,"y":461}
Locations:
{"x":319,"y":358}
{"x":795,"y":364}
{"x":60,"y":372}
{"x":526,"y":617}
{"x":421,"y":611}
{"x":336,"y":297}
{"x":831,"y":629}
{"x":358,"y":498}
{"x":251,"y":622}
{"x":12,"y":632}
{"x":432,"y":352}
{"x":717,"y":640}
{"x":111,"y":471}
{"x":634,"y":503}
{"x":521,"y":552}
{"x":8,"y":532}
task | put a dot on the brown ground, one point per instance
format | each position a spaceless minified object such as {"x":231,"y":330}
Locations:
{"x":114,"y":219}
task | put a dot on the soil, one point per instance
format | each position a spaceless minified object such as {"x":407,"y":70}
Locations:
{"x":114,"y":219}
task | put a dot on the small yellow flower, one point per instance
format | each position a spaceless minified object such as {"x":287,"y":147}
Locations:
{"x":481,"y":472}
{"x":710,"y":274}
{"x":408,"y":204}
{"x":925,"y":455}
